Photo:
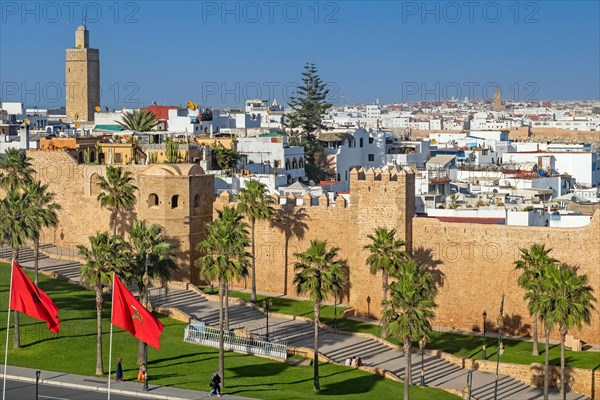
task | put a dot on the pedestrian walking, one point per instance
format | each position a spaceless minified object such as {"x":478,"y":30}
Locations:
{"x":119,"y":373}
{"x":215,"y":384}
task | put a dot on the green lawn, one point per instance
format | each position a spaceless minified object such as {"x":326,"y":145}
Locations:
{"x":515,"y":351}
{"x":178,"y":364}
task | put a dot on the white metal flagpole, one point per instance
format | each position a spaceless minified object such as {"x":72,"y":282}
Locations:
{"x":7,"y":331}
{"x":112,"y":302}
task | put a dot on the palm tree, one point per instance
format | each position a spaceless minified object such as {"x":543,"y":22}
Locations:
{"x":255,"y":204}
{"x":44,"y":216}
{"x":540,"y":303}
{"x":532,"y":264}
{"x":17,"y":225}
{"x":16,"y":214}
{"x":289,"y":220}
{"x":106,"y":255}
{"x":572,"y":306}
{"x":410,"y":309}
{"x":386,"y":256}
{"x":151,"y":251}
{"x":319,"y":273}
{"x":117,"y":192}
{"x":15,"y":169}
{"x":139,"y":121}
{"x":224,"y":259}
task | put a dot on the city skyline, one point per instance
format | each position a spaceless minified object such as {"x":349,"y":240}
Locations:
{"x":220,"y":54}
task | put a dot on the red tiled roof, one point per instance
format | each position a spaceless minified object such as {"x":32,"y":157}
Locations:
{"x":161,"y":112}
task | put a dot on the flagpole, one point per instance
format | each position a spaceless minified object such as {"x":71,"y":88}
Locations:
{"x":12,"y":267}
{"x":112,"y":302}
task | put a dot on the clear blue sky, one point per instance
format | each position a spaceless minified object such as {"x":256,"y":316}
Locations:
{"x":172,"y":52}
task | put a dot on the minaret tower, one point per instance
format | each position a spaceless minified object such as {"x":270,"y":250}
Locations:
{"x":82,"y":78}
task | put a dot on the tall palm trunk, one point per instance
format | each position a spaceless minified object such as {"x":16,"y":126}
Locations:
{"x":16,"y":332}
{"x":99,"y":302}
{"x":408,"y":368}
{"x":226,"y":317}
{"x":546,"y":361}
{"x":114,"y":221}
{"x":317,"y":312}
{"x":221,"y":334}
{"x":384,"y":287}
{"x":36,"y":252}
{"x":253,"y":297}
{"x":536,"y":350}
{"x":563,"y":334}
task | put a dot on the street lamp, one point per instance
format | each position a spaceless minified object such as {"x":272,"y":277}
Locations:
{"x":267,"y":306}
{"x":422,"y":344}
{"x":37,"y":379}
{"x":500,"y":321}
{"x":483,"y":357}
{"x":335,"y":311}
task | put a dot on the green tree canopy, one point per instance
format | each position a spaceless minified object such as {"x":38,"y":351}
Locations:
{"x":139,"y":121}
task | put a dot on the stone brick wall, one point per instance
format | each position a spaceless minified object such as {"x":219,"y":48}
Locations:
{"x":475,"y":264}
{"x":377,"y":198}
{"x":81,"y":216}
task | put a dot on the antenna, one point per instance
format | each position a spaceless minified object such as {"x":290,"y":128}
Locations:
{"x":84,"y":20}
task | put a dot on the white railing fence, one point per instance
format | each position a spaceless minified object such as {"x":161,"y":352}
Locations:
{"x":199,"y":333}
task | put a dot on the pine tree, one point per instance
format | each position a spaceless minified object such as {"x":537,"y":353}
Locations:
{"x":308,"y":109}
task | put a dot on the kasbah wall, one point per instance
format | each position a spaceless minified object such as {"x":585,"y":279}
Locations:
{"x":81,"y":216}
{"x":377,"y":198}
{"x":476,"y":265}
{"x":472,"y":263}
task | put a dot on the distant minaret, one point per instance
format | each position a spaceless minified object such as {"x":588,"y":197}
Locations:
{"x":82,"y":78}
{"x":497,"y":105}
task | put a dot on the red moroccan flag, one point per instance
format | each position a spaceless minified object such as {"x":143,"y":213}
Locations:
{"x":30,"y":300}
{"x":129,"y":314}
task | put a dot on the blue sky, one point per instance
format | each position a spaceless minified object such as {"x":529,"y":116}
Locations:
{"x":220,"y":53}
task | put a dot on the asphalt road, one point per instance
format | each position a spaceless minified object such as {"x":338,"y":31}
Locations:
{"x":16,"y":390}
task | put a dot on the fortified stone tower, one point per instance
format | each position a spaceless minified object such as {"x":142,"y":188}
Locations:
{"x":82,"y":78}
{"x":180,"y":198}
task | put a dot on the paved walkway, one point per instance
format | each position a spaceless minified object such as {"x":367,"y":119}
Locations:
{"x":130,"y":389}
{"x":336,"y":346}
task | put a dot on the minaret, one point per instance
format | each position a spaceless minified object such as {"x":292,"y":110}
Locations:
{"x":82,"y":78}
{"x":497,"y":104}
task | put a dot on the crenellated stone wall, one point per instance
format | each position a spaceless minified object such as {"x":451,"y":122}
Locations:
{"x":376,"y":198}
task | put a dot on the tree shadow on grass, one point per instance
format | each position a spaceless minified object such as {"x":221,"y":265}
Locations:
{"x":361,"y":384}
{"x":268,"y":369}
{"x":160,"y":361}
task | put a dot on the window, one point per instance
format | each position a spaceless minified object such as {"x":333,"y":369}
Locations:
{"x":196,"y":201}
{"x":371,"y":157}
{"x":371,"y":140}
{"x":361,"y":142}
{"x":175,"y":201}
{"x":153,"y":200}
{"x":118,"y":158}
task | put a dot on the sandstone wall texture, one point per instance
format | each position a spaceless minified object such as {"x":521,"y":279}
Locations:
{"x":476,"y":265}
{"x":377,"y":198}
{"x":472,"y":263}
{"x":81,"y":216}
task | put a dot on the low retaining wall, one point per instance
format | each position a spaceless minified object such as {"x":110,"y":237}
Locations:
{"x":578,"y":380}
